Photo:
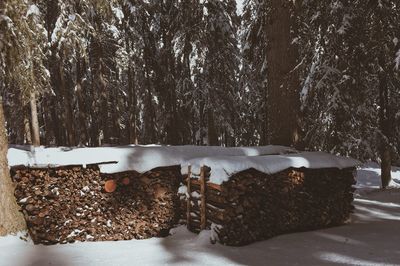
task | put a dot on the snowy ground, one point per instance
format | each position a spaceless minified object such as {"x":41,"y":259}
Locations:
{"x":371,"y":238}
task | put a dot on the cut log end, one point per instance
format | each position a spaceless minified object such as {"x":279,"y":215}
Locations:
{"x":110,"y":186}
{"x":125,"y":181}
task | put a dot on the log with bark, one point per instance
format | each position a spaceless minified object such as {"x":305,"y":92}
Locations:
{"x":253,"y":206}
{"x":68,"y":204}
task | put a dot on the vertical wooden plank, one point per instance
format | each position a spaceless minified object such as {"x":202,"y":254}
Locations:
{"x":189,"y":197}
{"x":203,"y":218}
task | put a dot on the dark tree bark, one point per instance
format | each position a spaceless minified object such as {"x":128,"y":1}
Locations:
{"x":132,"y":97}
{"x":201,"y":120}
{"x":104,"y":110}
{"x":212,"y":132}
{"x":385,"y":128}
{"x":54,"y":121}
{"x":27,"y":131}
{"x":167,"y":76}
{"x":283,"y":101}
{"x":83,"y":135}
{"x":132,"y":102}
{"x":68,"y":113}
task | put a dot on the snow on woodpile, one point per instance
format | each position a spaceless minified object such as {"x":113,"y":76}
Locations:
{"x":128,"y":158}
{"x":223,"y":161}
{"x":222,"y":167}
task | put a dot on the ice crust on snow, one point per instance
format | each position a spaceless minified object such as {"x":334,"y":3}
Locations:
{"x":224,"y":162}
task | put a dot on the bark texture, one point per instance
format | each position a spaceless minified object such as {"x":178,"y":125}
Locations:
{"x":283,"y":105}
{"x":385,"y":128}
{"x":11,"y":220}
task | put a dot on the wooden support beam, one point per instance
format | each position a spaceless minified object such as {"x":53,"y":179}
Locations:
{"x":203,"y":218}
{"x":189,"y":197}
{"x":209,"y":185}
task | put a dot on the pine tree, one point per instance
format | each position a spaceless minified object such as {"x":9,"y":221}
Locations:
{"x":217,"y":77}
{"x":350,"y":86}
{"x":253,"y":73}
{"x":24,"y":56}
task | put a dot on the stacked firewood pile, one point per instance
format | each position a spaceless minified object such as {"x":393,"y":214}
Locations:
{"x":67,"y":204}
{"x":253,"y":206}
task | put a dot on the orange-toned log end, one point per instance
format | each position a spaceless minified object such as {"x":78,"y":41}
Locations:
{"x":110,"y":186}
{"x":126,"y":181}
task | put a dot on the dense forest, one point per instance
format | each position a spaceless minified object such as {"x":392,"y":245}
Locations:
{"x":317,"y":75}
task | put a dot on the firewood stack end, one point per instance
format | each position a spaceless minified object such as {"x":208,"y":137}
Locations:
{"x":254,"y":206}
{"x":70,"y":204}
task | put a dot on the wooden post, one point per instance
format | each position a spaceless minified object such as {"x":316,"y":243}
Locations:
{"x":203,"y":218}
{"x":189,"y":197}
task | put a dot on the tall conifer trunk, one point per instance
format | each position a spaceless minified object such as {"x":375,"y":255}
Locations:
{"x":385,"y":153}
{"x":27,"y":130}
{"x":283,"y":100}
{"x":212,"y":137}
{"x":83,"y":136}
{"x":11,"y":220}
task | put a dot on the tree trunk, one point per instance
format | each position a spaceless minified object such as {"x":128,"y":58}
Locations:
{"x":35,"y":121}
{"x":385,"y":128}
{"x":132,"y":99}
{"x":56,"y":121}
{"x":68,"y":118}
{"x":11,"y":220}
{"x":201,"y":121}
{"x":212,"y":138}
{"x":27,"y":129}
{"x":83,"y":135}
{"x":132,"y":102}
{"x":173,"y":126}
{"x":104,"y":103}
{"x":283,"y":100}
{"x":386,"y":165}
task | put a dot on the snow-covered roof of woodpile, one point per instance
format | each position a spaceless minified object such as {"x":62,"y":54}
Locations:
{"x":222,"y":167}
{"x":223,"y":161}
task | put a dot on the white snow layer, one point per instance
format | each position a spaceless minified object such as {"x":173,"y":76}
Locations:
{"x":223,"y":167}
{"x":223,"y":161}
{"x":33,"y":10}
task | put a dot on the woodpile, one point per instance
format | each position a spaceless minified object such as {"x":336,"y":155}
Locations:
{"x":73,"y":203}
{"x":253,"y":206}
{"x":68,"y":204}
